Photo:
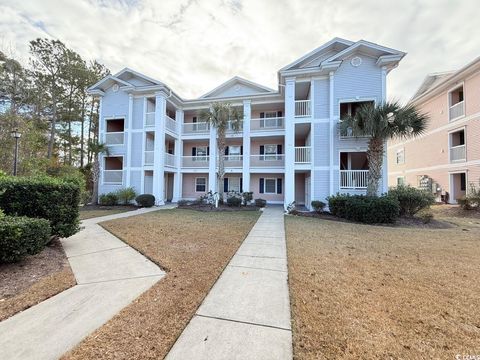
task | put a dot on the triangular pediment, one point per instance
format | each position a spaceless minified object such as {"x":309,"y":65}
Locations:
{"x":237,"y":87}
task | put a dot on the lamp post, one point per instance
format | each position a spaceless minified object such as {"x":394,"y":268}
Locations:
{"x":16,"y":135}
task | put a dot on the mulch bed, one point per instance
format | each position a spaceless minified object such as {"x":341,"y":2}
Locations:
{"x":34,"y":279}
{"x":208,"y":208}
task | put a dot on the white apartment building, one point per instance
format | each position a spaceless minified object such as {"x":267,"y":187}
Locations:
{"x":289,"y":148}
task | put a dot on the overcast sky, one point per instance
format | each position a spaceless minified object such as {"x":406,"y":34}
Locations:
{"x":194,"y":45}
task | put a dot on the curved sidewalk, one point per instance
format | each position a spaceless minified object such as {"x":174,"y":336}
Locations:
{"x":110,"y":275}
{"x":246,"y":315}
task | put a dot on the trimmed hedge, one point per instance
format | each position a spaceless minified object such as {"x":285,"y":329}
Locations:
{"x":46,"y":198}
{"x":21,"y":236}
{"x":146,"y":200}
{"x":365,"y":209}
{"x":234,"y":201}
{"x":260,"y":203}
{"x":411,"y":199}
{"x":318,"y":206}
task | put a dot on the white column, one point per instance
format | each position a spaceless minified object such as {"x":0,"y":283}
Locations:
{"x":212,"y":165}
{"x":289,"y":186}
{"x":101,"y":125}
{"x":384,"y":187}
{"x":247,"y":115}
{"x":177,"y":176}
{"x":144,"y":140}
{"x":332,"y":130}
{"x":159,"y":148}
{"x":312,"y":166}
{"x":128,"y":135}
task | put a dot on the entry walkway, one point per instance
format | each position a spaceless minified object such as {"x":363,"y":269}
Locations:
{"x":109,"y":273}
{"x":246,"y":315}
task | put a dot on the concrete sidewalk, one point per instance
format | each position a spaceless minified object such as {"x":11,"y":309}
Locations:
{"x":246,"y":315}
{"x":109,"y":273}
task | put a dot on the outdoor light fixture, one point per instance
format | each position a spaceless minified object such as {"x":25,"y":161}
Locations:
{"x":16,"y":135}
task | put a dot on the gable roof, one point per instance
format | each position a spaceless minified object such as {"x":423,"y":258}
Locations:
{"x":367,"y":47}
{"x":128,"y":73}
{"x":100,"y":87}
{"x":430,"y":81}
{"x":234,"y":85}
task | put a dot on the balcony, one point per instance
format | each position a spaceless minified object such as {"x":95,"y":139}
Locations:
{"x":233,"y":160}
{"x":195,"y":161}
{"x":267,"y":124}
{"x":115,"y":138}
{"x":149,"y":157}
{"x":170,"y":124}
{"x":353,"y":179}
{"x":302,"y":108}
{"x":274,"y":161}
{"x":457,"y":110}
{"x":150,"y":119}
{"x":196,"y":128}
{"x":112,"y":176}
{"x":170,"y":160}
{"x":231,"y":130}
{"x":458,"y":153}
{"x":302,"y":155}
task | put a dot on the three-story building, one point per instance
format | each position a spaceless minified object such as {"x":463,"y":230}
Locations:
{"x":288,"y":149}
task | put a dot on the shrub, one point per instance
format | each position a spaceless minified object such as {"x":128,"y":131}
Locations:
{"x":472,"y":200}
{"x":108,"y":199}
{"x":247,"y":197}
{"x":411,"y":200}
{"x":425,"y":216}
{"x":260,"y":203}
{"x":183,"y":202}
{"x":52,"y":199}
{"x":234,"y":201}
{"x":145,"y":200}
{"x":318,"y":206}
{"x":21,"y":236}
{"x":365,"y":209}
{"x":292,"y":208}
{"x":126,"y":195}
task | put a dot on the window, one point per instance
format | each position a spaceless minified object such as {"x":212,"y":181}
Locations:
{"x":200,"y":153}
{"x":456,"y":99}
{"x":234,"y":152}
{"x":200,"y":184}
{"x":232,"y":184}
{"x":270,"y":119}
{"x":400,"y":181}
{"x":350,"y":108}
{"x":270,"y":152}
{"x":270,"y":186}
{"x":401,"y":156}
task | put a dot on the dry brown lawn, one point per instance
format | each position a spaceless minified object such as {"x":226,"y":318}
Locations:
{"x":372,"y":292}
{"x":193,"y":247}
{"x":93,"y":212}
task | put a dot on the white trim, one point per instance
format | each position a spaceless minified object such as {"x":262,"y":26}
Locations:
{"x":233,"y":80}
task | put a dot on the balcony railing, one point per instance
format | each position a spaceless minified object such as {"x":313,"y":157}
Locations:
{"x":150,"y":119}
{"x":353,"y":179}
{"x":457,"y":110}
{"x":170,"y":160}
{"x":170,"y":124}
{"x":458,"y":153}
{"x":302,"y":108}
{"x":233,"y":160}
{"x":266,"y":124}
{"x":302,"y":155}
{"x":112,"y":176}
{"x":196,"y":128}
{"x":195,"y":161}
{"x":230,"y":127}
{"x":149,"y":157}
{"x":114,"y":138}
{"x":273,"y":160}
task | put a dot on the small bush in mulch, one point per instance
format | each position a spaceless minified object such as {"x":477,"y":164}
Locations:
{"x":145,"y":200}
{"x":260,"y":203}
{"x":108,"y":199}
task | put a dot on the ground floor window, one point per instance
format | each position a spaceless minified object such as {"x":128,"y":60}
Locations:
{"x":270,"y":186}
{"x":200,"y":184}
{"x":400,"y":181}
{"x":232,"y":184}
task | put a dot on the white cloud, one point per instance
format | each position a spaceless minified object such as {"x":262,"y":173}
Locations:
{"x":194,"y":45}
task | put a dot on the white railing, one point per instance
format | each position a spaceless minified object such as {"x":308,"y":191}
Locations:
{"x":353,"y":179}
{"x":457,"y":110}
{"x":150,"y":119}
{"x":170,"y":124}
{"x":170,"y":160}
{"x":267,"y":160}
{"x":302,"y":108}
{"x":264,"y":124}
{"x":230,"y":127}
{"x":458,"y":153}
{"x":195,"y":128}
{"x":114,"y":138}
{"x":233,"y":160}
{"x":149,"y":157}
{"x":195,"y":161}
{"x":302,"y":154}
{"x":112,"y":176}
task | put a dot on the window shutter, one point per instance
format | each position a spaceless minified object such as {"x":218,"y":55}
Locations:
{"x":279,"y":149}
{"x":241,"y":150}
{"x":262,"y":150}
{"x":241,"y":184}
{"x":194,"y":119}
{"x":208,"y":150}
{"x":226,"y":150}
{"x":194,"y":151}
{"x":279,"y":186}
{"x":225,"y":184}
{"x":262,"y":186}
{"x":279,"y":114}
{"x":262,"y":122}
{"x":262,"y":115}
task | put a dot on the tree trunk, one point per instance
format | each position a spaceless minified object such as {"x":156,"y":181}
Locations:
{"x":221,"y":160}
{"x":375,"y":161}
{"x":51,"y":141}
{"x":95,"y":177}
{"x":82,"y":133}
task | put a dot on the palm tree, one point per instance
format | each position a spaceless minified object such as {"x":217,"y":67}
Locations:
{"x":96,"y":149}
{"x":222,"y":116}
{"x":380,"y":123}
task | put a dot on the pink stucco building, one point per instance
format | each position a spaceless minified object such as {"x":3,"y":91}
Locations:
{"x":446,"y":159}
